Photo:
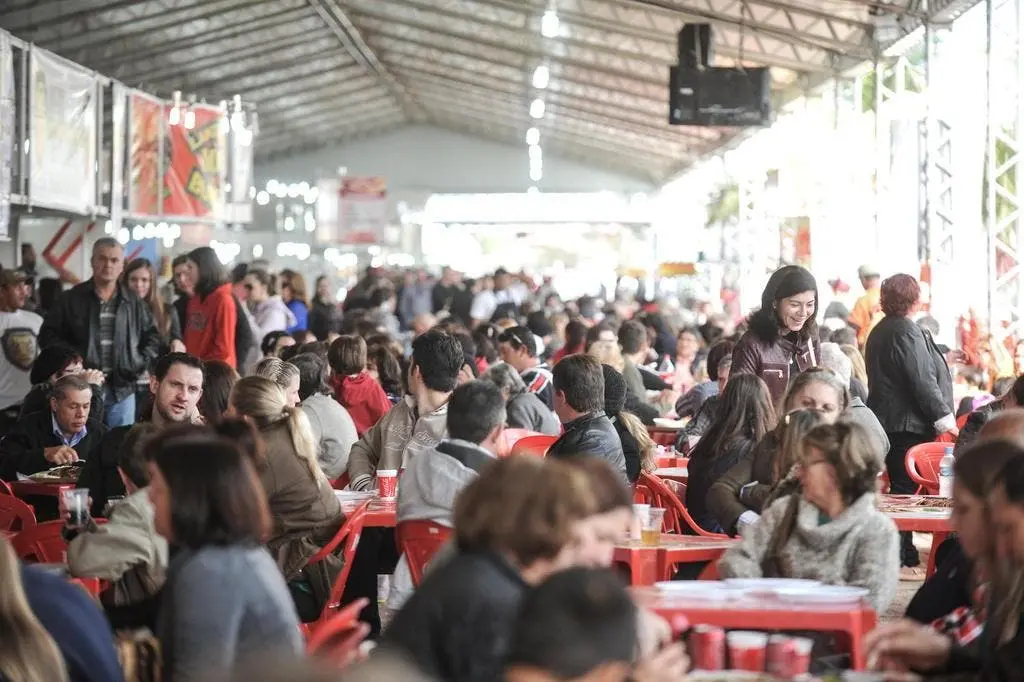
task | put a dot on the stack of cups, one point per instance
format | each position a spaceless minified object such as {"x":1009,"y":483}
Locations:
{"x":747,"y":650}
{"x":789,"y":656}
{"x":640,"y":515}
{"x":707,"y":647}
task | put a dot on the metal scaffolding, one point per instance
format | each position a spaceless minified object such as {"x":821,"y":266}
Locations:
{"x":1005,"y":103}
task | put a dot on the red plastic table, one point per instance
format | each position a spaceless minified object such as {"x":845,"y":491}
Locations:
{"x":26,"y":488}
{"x":381,"y":513}
{"x":851,"y":622}
{"x":938,"y":524}
{"x":648,"y":564}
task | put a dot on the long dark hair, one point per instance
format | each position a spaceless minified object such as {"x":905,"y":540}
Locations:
{"x":745,"y":414}
{"x":787,"y":281}
{"x":211,"y":271}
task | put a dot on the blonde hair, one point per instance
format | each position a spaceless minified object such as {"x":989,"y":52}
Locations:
{"x":27,"y":652}
{"x":637,"y":429}
{"x":860,"y":370}
{"x":264,"y":402}
{"x":608,"y":353}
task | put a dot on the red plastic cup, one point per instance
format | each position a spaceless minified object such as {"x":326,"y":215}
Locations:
{"x":387,"y":483}
{"x":789,"y":656}
{"x":707,"y":647}
{"x":747,"y":650}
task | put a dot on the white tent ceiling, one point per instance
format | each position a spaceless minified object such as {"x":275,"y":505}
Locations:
{"x":325,"y":71}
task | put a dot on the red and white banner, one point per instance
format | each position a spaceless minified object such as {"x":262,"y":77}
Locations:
{"x":353,"y":210}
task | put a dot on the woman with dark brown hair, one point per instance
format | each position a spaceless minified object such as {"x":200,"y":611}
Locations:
{"x":218,"y":380}
{"x":514,"y":526}
{"x":911,"y":386}
{"x":225,"y":599}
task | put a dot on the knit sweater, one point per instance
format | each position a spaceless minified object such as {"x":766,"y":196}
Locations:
{"x":860,"y":547}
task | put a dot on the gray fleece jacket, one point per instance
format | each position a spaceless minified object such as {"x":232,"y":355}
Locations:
{"x":860,"y":548}
{"x":333,"y":431}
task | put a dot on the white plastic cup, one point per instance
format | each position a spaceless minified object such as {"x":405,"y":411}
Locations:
{"x":641,"y":512}
{"x":747,"y":650}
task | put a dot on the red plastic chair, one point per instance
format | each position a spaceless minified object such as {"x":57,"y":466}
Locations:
{"x":666,"y":437}
{"x":348,"y":536}
{"x":5,"y":488}
{"x":509,"y":437}
{"x":922,"y":465}
{"x":419,"y":542}
{"x":534,"y":445}
{"x":677,"y":518}
{"x":15,"y":515}
{"x":339,"y":638}
{"x":41,"y":543}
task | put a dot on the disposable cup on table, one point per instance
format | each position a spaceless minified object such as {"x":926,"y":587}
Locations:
{"x":650,"y":529}
{"x":75,"y":502}
{"x":707,"y":647}
{"x":788,"y":656}
{"x":747,"y":650}
{"x":387,"y":483}
{"x":640,"y":513}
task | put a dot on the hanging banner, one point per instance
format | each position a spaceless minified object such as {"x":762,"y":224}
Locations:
{"x":195,"y":164}
{"x":795,"y":247}
{"x":62,"y":129}
{"x":119,"y":116}
{"x":363,"y":210}
{"x":147,"y":118}
{"x":239,"y":208}
{"x":6,"y":131}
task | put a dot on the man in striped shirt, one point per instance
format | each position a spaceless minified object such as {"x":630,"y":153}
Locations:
{"x":518,"y":348}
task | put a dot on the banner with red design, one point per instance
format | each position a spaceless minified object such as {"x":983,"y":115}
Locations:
{"x":193,"y":183}
{"x":147,"y":121}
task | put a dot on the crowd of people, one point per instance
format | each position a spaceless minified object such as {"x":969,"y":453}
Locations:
{"x":213,"y":426}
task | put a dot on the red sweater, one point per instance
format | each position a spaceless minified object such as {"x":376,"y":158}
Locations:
{"x":363,"y":397}
{"x":210,"y":327}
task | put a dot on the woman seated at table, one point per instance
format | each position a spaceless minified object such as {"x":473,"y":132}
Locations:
{"x":305,"y":512}
{"x":831,"y":530}
{"x":953,"y":599}
{"x":999,"y":655}
{"x":746,"y":415}
{"x":224,"y":601}
{"x":514,"y":526}
{"x":737,"y":499}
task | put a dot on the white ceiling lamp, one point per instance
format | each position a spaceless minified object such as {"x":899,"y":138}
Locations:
{"x":190,"y":119}
{"x":537,"y":108}
{"x":535,"y":152}
{"x":541,"y":77}
{"x":533,"y":136}
{"x":549,"y":24}
{"x":536,"y":173}
{"x":532,"y":189}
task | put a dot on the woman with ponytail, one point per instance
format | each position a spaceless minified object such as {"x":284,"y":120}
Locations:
{"x":305,"y":512}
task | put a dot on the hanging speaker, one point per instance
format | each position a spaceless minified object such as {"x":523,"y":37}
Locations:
{"x":695,"y":46}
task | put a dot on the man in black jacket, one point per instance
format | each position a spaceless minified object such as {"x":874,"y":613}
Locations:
{"x":579,"y":403}
{"x":63,"y":434}
{"x":110,"y":327}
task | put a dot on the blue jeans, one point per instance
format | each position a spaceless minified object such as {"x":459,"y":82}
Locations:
{"x":118,"y":413}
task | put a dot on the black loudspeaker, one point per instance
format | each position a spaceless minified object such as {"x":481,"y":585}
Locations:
{"x":695,"y":46}
{"x":720,"y":97}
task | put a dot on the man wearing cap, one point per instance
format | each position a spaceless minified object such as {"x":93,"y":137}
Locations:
{"x":867,"y":311}
{"x":19,"y":329}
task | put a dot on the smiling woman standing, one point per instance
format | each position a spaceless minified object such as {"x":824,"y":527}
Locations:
{"x":783,"y":337}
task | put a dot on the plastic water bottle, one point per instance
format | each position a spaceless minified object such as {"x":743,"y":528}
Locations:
{"x":946,"y":473}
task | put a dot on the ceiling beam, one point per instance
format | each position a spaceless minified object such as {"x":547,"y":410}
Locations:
{"x":275,"y":154}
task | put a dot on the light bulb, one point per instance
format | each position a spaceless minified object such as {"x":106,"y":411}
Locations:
{"x":541,"y":77}
{"x":549,"y":24}
{"x":533,"y":136}
{"x":536,"y":173}
{"x":535,"y":152}
{"x":174,"y":117}
{"x":537,"y":108}
{"x":190,"y":119}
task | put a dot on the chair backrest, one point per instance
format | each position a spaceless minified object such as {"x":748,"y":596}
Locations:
{"x":534,"y":445}
{"x":677,"y":518}
{"x":347,"y":538}
{"x":15,"y":515}
{"x":509,"y":437}
{"x":922,"y":463}
{"x":419,"y":542}
{"x":340,"y":635}
{"x":5,"y":488}
{"x":42,"y":543}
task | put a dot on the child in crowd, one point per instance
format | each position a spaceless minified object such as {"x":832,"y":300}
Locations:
{"x":354,"y":388}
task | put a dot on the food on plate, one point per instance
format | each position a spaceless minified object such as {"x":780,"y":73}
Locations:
{"x":63,"y":473}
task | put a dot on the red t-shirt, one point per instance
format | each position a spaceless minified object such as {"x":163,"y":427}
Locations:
{"x":363,"y":397}
{"x":210,"y":326}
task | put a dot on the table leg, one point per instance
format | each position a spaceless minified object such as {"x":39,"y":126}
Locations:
{"x":937,"y":539}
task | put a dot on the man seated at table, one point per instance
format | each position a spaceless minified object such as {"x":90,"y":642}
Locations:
{"x":63,"y":434}
{"x":175,"y":387}
{"x":579,"y":404}
{"x":435,"y":477}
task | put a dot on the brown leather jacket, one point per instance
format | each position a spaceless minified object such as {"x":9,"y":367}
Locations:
{"x":772,"y":360}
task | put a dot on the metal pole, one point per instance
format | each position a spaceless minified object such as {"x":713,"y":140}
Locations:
{"x":990,"y":166}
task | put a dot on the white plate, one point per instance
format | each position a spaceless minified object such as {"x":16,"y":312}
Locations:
{"x":354,"y":495}
{"x":773,"y":584}
{"x":697,"y":590}
{"x":825,"y":594}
